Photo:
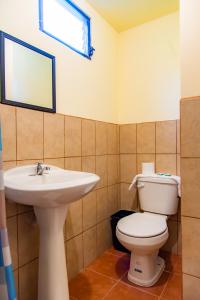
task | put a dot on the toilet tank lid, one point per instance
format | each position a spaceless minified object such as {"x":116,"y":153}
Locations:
{"x":157,"y":178}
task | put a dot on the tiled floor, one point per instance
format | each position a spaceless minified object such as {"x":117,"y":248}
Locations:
{"x":106,"y":279}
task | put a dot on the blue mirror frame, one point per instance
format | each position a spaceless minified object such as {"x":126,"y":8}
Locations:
{"x":3,"y":99}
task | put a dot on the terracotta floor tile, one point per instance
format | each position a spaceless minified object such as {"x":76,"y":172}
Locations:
{"x":113,"y":251}
{"x":99,"y":280}
{"x":111,"y":265}
{"x":173,"y":290}
{"x":124,"y":292}
{"x":89,"y":285}
{"x":172,"y":261}
{"x":156,"y":290}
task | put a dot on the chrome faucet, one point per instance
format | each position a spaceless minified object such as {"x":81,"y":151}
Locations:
{"x":40,"y":169}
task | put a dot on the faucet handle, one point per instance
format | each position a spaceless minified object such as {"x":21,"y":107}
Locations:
{"x":47,"y":168}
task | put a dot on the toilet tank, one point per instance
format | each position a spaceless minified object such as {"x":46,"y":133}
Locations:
{"x":158,"y":194}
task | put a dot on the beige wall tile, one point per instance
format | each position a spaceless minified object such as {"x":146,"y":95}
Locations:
{"x":104,"y":236}
{"x":128,"y":138}
{"x":113,"y":169}
{"x":8,"y":124}
{"x":57,"y":162}
{"x":11,"y":208}
{"x":191,"y":246}
{"x":178,"y":134}
{"x":101,"y":138}
{"x":166,"y":137}
{"x":28,"y":238}
{"x":118,"y":139}
{"x":88,"y":137}
{"x":73,"y":163}
{"x":178,"y":165}
{"x":72,"y":136}
{"x":89,"y":210}
{"x":12,"y":232}
{"x":24,"y":208}
{"x":102,"y":199}
{"x":89,"y":164}
{"x":7,"y":165}
{"x":90,"y":245}
{"x":28,"y":281}
{"x":74,"y":256}
{"x":190,"y":174}
{"x":146,"y":138}
{"x":128,"y":167}
{"x":172,"y":243}
{"x":53,"y":135}
{"x":191,"y":287}
{"x":74,"y":222}
{"x":101,"y":170}
{"x":29,"y":162}
{"x":166,"y":163}
{"x":128,"y":199}
{"x":179,"y":239}
{"x":29,"y":134}
{"x":190,"y":127}
{"x":113,"y":138}
{"x":16,"y":278}
{"x":113,"y":201}
{"x":144,"y":158}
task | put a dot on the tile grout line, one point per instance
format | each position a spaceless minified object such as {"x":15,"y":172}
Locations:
{"x":117,"y":282}
{"x":96,"y":272}
{"x":164,"y":289}
{"x":138,"y":288}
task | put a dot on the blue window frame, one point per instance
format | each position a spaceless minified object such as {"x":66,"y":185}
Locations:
{"x":67,"y":23}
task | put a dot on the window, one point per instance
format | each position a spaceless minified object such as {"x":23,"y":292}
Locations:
{"x":64,"y":21}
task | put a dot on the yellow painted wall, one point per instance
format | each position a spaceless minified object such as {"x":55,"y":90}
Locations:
{"x":133,"y":76}
{"x":84,"y":88}
{"x":149,"y":71}
{"x":190,"y":48}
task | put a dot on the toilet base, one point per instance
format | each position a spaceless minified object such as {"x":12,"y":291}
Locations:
{"x":136,"y":276}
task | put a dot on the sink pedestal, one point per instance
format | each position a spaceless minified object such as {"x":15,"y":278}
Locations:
{"x":53,"y":281}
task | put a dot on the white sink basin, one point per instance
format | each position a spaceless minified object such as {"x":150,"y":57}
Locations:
{"x":53,"y":188}
{"x":50,"y":195}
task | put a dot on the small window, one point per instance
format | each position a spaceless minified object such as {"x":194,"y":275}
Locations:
{"x":65,"y":22}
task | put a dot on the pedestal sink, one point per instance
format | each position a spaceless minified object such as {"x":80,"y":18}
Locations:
{"x":50,"y":195}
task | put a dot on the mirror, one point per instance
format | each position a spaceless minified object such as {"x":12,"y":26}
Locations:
{"x":27,"y":75}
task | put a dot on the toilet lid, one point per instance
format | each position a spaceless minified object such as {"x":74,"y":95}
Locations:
{"x":142,"y":225}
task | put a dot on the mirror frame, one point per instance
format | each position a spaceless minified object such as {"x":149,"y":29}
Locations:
{"x":3,"y":99}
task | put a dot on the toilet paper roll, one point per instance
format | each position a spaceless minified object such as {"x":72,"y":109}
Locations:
{"x":148,"y":168}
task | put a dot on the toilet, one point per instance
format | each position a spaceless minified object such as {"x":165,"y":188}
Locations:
{"x":144,"y":233}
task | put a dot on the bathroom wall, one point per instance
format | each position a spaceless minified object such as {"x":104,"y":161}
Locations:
{"x":71,"y":143}
{"x":90,"y":145}
{"x":96,"y":94}
{"x":190,"y":173}
{"x":190,"y":48}
{"x":154,"y":79}
{"x":149,"y":71}
{"x":190,"y":147}
{"x":157,"y":142}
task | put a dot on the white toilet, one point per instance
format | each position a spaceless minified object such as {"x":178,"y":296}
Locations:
{"x":144,"y":233}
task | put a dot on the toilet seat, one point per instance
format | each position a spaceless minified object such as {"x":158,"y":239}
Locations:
{"x":142,"y":225}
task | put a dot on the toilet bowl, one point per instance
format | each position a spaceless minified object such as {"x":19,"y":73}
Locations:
{"x":144,"y":233}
